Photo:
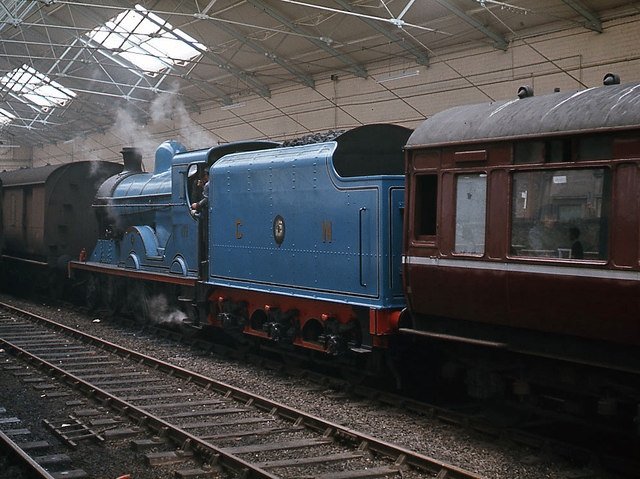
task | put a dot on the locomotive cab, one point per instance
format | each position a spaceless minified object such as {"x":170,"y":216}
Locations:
{"x":194,"y":191}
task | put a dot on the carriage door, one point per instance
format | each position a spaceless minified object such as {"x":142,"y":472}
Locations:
{"x":29,"y":219}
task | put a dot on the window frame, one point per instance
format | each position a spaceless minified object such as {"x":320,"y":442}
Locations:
{"x":479,"y":173}
{"x":603,"y":165}
{"x":200,"y":166}
{"x":417,"y":194}
{"x":35,"y":88}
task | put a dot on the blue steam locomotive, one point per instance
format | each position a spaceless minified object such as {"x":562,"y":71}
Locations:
{"x":299,"y":245}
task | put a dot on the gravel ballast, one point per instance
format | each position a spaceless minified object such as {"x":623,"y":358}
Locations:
{"x":452,"y":444}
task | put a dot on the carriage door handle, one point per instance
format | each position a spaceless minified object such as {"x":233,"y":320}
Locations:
{"x":363,"y":209}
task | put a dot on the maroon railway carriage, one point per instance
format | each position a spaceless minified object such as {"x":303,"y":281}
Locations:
{"x":522,"y":226}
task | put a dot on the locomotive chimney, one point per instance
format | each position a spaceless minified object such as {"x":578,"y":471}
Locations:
{"x":132,"y":159}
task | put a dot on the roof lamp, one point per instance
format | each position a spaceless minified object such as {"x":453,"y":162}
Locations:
{"x":398,"y":76}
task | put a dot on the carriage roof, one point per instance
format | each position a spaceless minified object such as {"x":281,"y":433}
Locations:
{"x":594,"y":109}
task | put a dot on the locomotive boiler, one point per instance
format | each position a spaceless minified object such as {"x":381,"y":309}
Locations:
{"x":149,"y":237}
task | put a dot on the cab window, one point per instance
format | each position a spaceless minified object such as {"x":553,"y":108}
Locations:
{"x":194,"y":182}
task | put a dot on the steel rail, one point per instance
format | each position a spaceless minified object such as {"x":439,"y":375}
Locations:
{"x":213,"y":454}
{"x":400,"y":455}
{"x":14,"y":450}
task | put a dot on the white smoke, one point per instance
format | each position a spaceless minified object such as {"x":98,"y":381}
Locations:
{"x":191,"y":132}
{"x":167,"y":114}
{"x":167,"y":111}
{"x":132,"y":132}
{"x":96,"y":170}
{"x":161,"y":312}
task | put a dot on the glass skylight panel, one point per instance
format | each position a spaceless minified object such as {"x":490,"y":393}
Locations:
{"x":5,"y":116}
{"x":33,"y":86}
{"x":146,"y":40}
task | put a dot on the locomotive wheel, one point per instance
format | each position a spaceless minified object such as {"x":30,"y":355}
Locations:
{"x":113,"y":294}
{"x":92,"y":292}
{"x":55,"y":286}
{"x":138,"y":297}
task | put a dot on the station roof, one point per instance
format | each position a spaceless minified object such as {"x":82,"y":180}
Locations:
{"x":67,"y":66}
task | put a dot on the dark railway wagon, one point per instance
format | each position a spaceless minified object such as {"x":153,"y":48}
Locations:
{"x":522,"y":226}
{"x":47,"y":217}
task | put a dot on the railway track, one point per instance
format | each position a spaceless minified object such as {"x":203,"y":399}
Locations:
{"x":62,"y":431}
{"x":19,"y":461}
{"x":194,"y":416}
{"x":580,"y":440}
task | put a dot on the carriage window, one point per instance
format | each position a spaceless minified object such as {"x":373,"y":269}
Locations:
{"x":528,"y":152}
{"x":595,"y":148}
{"x":471,"y":206}
{"x":426,"y":205}
{"x":560,"y":213}
{"x":550,"y":151}
{"x":557,"y":151}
